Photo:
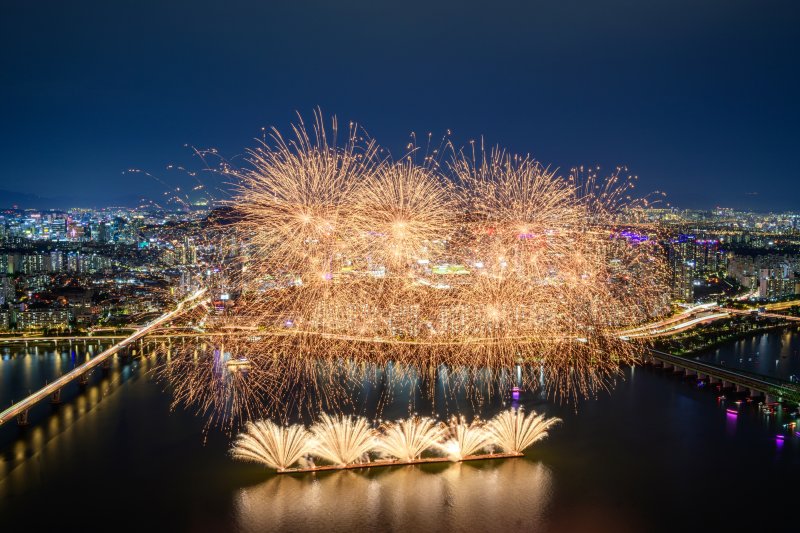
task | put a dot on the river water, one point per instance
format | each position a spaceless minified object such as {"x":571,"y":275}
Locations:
{"x":658,"y":453}
{"x":775,"y":354}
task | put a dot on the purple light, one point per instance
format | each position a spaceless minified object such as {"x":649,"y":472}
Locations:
{"x":733,"y":412}
{"x":515,"y":393}
{"x":630,"y":236}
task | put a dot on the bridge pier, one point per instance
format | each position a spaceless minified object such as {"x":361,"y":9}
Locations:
{"x":83,"y":380}
{"x":55,"y":398}
{"x":769,"y":398}
{"x":754,"y":393}
{"x":689,"y":372}
{"x":22,"y":418}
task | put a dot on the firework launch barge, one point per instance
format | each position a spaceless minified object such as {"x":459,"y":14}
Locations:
{"x":391,"y":462}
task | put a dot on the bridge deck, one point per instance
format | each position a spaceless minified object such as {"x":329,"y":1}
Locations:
{"x":751,"y":380}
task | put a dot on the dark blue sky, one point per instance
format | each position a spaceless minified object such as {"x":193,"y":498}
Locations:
{"x":699,"y":98}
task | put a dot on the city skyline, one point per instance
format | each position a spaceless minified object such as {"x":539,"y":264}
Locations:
{"x":698,"y":106}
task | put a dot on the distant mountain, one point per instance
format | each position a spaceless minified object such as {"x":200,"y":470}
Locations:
{"x":22,"y":200}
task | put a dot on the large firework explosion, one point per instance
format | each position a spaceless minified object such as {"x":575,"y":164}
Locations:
{"x":349,"y":267}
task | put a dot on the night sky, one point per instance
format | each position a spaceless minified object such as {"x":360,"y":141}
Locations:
{"x":698,"y":98}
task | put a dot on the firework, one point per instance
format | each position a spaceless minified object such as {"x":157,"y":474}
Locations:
{"x":292,"y":200}
{"x":465,"y":439}
{"x":275,"y":446}
{"x":208,"y":379}
{"x":400,"y":213}
{"x":513,"y":432}
{"x":342,"y":263}
{"x":406,"y":440}
{"x":342,"y":440}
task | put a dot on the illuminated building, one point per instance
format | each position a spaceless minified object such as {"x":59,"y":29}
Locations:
{"x":40,"y":319}
{"x":682,"y":254}
{"x":776,"y":283}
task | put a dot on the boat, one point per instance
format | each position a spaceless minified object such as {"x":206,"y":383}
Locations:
{"x":240,"y":363}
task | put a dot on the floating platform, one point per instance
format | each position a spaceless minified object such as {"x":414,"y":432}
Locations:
{"x":389,"y":462}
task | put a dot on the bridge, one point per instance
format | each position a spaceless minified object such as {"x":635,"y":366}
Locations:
{"x":754,"y":384}
{"x":160,"y":333}
{"x":20,"y":409}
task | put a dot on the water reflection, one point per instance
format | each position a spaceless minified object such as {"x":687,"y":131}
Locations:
{"x":21,"y":372}
{"x":775,"y":354}
{"x":494,"y":496}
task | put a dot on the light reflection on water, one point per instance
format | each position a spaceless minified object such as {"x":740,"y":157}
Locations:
{"x":776,"y":353}
{"x":508,"y":495}
{"x":615,"y":465}
{"x":27,"y":369}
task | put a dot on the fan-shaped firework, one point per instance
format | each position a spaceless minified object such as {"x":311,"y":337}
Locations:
{"x":347,"y":261}
{"x":278,"y":447}
{"x":407,"y":439}
{"x":342,"y":440}
{"x":465,"y":439}
{"x":514,"y":432}
{"x":347,"y":441}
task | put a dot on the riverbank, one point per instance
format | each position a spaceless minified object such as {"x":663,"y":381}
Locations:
{"x":705,"y":337}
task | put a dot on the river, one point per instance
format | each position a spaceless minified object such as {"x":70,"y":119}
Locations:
{"x":776,"y":354}
{"x":658,"y":453}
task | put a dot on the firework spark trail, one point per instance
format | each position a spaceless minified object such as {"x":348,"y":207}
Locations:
{"x":341,"y":259}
